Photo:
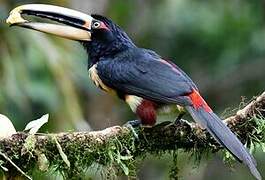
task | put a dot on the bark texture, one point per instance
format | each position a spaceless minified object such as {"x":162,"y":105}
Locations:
{"x":117,"y":147}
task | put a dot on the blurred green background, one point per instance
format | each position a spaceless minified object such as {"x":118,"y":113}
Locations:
{"x":220,"y":44}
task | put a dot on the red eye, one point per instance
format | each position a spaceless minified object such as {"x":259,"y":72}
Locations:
{"x":99,"y":25}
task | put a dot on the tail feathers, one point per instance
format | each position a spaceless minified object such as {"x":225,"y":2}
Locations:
{"x":224,"y":136}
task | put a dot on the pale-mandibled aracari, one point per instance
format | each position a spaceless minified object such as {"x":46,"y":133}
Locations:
{"x":138,"y":76}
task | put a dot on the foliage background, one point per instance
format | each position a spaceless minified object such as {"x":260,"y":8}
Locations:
{"x":220,"y":44}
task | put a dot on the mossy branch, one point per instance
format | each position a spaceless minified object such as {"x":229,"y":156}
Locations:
{"x":117,"y":148}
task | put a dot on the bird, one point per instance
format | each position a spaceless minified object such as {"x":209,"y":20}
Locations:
{"x":138,"y":76}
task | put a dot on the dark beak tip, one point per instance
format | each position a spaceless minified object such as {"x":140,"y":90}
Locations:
{"x":15,"y":24}
{"x":18,"y":24}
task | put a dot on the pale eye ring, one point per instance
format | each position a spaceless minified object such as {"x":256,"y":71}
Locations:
{"x":96,"y":25}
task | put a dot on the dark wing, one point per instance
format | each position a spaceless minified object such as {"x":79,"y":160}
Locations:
{"x":147,"y":76}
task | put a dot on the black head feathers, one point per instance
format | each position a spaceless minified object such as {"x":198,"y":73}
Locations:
{"x":107,"y":43}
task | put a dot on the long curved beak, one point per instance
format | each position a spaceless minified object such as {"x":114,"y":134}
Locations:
{"x":77,"y":25}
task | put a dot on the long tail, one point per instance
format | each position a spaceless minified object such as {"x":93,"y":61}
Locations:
{"x":202,"y":114}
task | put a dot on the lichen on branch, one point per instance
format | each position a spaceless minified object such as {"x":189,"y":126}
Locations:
{"x":116,"y":148}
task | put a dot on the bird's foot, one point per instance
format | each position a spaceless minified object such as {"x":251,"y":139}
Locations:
{"x":176,"y":122}
{"x":133,"y":124}
{"x":181,"y":114}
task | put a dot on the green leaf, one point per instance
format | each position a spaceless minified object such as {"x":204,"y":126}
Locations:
{"x":124,"y":168}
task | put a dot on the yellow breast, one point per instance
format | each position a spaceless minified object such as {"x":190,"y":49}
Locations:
{"x":133,"y":101}
{"x":93,"y":74}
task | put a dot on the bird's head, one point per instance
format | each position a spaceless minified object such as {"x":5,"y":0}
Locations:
{"x":99,"y":35}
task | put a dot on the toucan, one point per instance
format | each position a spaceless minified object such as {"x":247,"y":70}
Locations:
{"x":140,"y":77}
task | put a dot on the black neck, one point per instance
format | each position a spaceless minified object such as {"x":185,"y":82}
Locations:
{"x":96,"y":50}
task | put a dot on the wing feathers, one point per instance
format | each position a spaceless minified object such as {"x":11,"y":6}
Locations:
{"x":139,"y":72}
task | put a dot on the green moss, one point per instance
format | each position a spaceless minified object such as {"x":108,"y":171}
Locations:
{"x":116,"y":156}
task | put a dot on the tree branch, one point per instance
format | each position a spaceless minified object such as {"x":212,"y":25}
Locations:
{"x":117,"y":147}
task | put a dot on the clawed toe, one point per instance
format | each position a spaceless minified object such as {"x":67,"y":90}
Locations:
{"x":133,"y":124}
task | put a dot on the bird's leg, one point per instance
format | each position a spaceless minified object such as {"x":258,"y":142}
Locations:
{"x":182,"y":112}
{"x":133,"y":124}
